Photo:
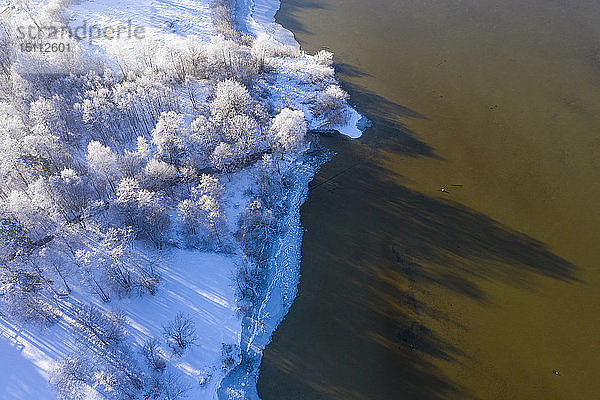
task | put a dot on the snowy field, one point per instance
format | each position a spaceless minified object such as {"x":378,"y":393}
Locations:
{"x":200,"y":284}
{"x":196,"y":283}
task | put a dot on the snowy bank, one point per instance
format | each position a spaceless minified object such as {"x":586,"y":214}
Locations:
{"x":279,"y":292}
{"x":258,"y":18}
{"x":225,"y":361}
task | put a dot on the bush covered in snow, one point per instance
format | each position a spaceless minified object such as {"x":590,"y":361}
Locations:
{"x":265,"y":46}
{"x":324,"y":57}
{"x":331,"y":105}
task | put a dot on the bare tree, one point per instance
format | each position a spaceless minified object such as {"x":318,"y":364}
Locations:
{"x":99,"y":328}
{"x":153,"y":355}
{"x":180,"y":333}
{"x":69,"y":377}
{"x":175,"y":385}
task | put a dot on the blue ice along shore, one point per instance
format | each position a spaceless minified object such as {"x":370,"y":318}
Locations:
{"x":258,"y":17}
{"x":279,"y":292}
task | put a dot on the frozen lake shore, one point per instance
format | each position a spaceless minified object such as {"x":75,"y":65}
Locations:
{"x":198,"y":283}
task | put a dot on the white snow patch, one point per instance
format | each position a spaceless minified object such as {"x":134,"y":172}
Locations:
{"x":259,"y":17}
{"x":351,"y":129}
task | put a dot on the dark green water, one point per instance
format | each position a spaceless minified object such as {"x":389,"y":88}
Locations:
{"x":480,"y":293}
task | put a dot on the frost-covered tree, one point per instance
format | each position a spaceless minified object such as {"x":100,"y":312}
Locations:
{"x":92,"y":276}
{"x":243,"y":132}
{"x":331,"y":105}
{"x":142,"y":209}
{"x":193,"y":57}
{"x":160,"y":175}
{"x":43,"y":139}
{"x":127,"y":99}
{"x":98,"y":112}
{"x":231,"y":99}
{"x":130,"y":164}
{"x":213,"y":216}
{"x":6,"y":54}
{"x":224,"y":158}
{"x":14,"y":169}
{"x":229,"y":59}
{"x":288,"y":131}
{"x":111,"y":254}
{"x":44,"y":112}
{"x":208,"y":186}
{"x":190,"y":215}
{"x":257,"y":228}
{"x":153,"y":221}
{"x":200,"y":141}
{"x":255,"y":235}
{"x":103,"y":162}
{"x":270,"y":182}
{"x":203,"y":211}
{"x":97,"y":328}
{"x":52,"y":262}
{"x":14,"y":238}
{"x":180,"y":333}
{"x":127,"y":192}
{"x":71,"y":193}
{"x":223,"y":19}
{"x":324,"y":57}
{"x":70,"y":376}
{"x":266,"y":45}
{"x":167,"y":136}
{"x":24,"y":295}
{"x":143,"y":150}
{"x":143,"y":96}
{"x":19,"y":89}
{"x":47,"y":135}
{"x":234,"y":113}
{"x":34,"y":209}
{"x":111,"y":265}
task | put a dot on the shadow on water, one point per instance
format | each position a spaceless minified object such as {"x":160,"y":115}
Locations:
{"x":357,"y":329}
{"x":294,"y":24}
{"x":392,"y":135}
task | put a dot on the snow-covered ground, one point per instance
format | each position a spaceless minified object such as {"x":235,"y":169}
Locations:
{"x":197,"y":283}
{"x":258,"y":17}
{"x":192,"y":282}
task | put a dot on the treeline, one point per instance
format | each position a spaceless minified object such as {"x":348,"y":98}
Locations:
{"x":93,"y":162}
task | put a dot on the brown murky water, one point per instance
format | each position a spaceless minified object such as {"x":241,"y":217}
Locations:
{"x":481,"y":292}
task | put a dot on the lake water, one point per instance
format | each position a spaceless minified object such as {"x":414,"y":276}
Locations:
{"x":483,"y":291}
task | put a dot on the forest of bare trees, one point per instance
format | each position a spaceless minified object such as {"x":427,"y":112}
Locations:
{"x":94,"y":163}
